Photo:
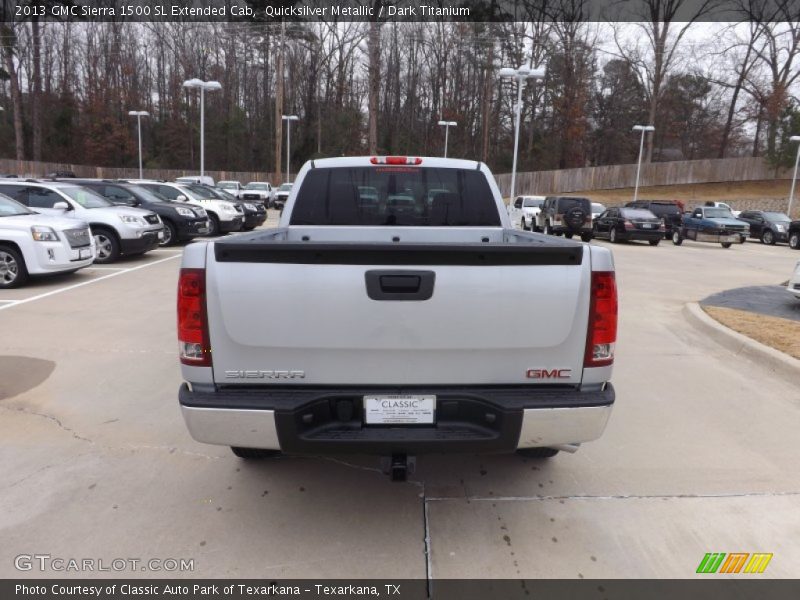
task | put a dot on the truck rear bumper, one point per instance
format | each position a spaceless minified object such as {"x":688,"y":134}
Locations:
{"x":469,"y":419}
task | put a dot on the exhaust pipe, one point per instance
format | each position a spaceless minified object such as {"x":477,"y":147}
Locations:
{"x":571,"y":448}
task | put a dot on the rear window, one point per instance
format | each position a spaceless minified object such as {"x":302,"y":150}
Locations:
{"x":664,"y":209}
{"x":532,"y":202}
{"x":567,"y":204}
{"x":636,"y":213}
{"x":395,"y":196}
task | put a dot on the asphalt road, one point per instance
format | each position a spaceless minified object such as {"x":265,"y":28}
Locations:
{"x":700,"y":454}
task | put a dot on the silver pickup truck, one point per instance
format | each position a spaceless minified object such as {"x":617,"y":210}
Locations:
{"x":396,"y":312}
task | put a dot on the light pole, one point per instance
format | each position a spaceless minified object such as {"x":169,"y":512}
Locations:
{"x":796,"y":139}
{"x":644,"y":129}
{"x":447,"y":125}
{"x":203,"y":86}
{"x":521,"y":75}
{"x":139,"y":114}
{"x":289,"y":119}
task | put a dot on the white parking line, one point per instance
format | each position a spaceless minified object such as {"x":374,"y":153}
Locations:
{"x":77,"y":285}
{"x":8,"y":301}
{"x":105,"y":268}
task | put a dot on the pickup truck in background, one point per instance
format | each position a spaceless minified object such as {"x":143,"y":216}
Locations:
{"x":711,"y":224}
{"x":396,"y":280}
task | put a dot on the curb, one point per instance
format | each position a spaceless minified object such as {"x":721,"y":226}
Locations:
{"x":780,"y":364}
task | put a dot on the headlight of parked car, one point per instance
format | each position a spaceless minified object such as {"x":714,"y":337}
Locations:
{"x":229,"y":208}
{"x":184,"y":212}
{"x":781,"y":227}
{"x":131,"y":220}
{"x":249,"y":206}
{"x":44,"y":234}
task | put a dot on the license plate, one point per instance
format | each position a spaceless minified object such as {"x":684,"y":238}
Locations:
{"x":84,"y":253}
{"x":734,"y":239}
{"x":399,"y":410}
{"x":648,"y":225}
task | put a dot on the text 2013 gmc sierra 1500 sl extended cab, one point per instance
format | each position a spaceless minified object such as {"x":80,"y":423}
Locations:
{"x":396,"y":282}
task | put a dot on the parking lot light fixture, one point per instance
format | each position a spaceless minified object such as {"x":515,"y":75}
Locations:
{"x":289,"y":119}
{"x":522,"y":74}
{"x":447,"y":125}
{"x":795,"y":139}
{"x":644,"y":129}
{"x":139,"y":114}
{"x":203,"y":86}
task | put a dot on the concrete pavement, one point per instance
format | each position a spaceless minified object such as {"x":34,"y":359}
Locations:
{"x":698,"y":457}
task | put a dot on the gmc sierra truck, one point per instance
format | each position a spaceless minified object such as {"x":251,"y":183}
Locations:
{"x":396,"y":282}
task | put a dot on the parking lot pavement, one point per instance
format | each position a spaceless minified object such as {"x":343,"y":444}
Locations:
{"x":770,"y":300}
{"x":698,"y":456}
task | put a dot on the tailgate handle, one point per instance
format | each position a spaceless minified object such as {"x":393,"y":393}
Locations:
{"x":399,"y":284}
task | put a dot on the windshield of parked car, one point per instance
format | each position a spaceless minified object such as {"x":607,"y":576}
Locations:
{"x":532,"y":202}
{"x":203,"y":191}
{"x":84,"y":196}
{"x":395,"y":195}
{"x":286,"y":187}
{"x":12,"y":208}
{"x":718,"y":213}
{"x":146,"y":195}
{"x":636,"y":213}
{"x":227,"y":184}
{"x":256,"y":186}
{"x":597,"y":207}
{"x":776,"y":217}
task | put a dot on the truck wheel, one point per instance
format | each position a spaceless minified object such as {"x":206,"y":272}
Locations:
{"x":254,"y":453}
{"x":213,"y":225}
{"x":768,"y":237}
{"x":586,"y":237}
{"x":654,"y":242}
{"x":794,"y":241}
{"x":726,"y":244}
{"x":12,"y":268}
{"x":676,"y":238}
{"x":107,"y":245}
{"x":170,"y":234}
{"x":537,"y":452}
{"x":568,"y":235}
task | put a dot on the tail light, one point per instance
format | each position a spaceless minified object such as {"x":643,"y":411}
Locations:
{"x":602,"y":333}
{"x":628,"y":224}
{"x":193,"y":340}
{"x":395,"y":160}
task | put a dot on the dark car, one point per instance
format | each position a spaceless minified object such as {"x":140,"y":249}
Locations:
{"x":255,"y":213}
{"x":567,"y":215}
{"x":623,"y":224}
{"x":182,"y":222}
{"x":767,"y":226}
{"x":669,"y":211}
{"x":794,"y":235}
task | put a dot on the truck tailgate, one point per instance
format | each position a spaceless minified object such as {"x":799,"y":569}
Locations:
{"x":293,"y":313}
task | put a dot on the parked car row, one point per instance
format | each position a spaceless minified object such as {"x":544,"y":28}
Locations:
{"x":62,"y":225}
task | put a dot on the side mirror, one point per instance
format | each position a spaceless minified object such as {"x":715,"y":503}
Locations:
{"x":62,"y":206}
{"x":181,"y":198}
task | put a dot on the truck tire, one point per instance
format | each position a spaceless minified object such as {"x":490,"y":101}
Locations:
{"x":568,"y":235}
{"x":794,"y":240}
{"x":676,"y":237}
{"x":586,"y":237}
{"x":254,"y":453}
{"x":537,"y":452}
{"x":522,"y":225}
{"x":654,"y":242}
{"x":13,"y":272}
{"x":726,"y":244}
{"x":768,"y":237}
{"x":107,"y":245}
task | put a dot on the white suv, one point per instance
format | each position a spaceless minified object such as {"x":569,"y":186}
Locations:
{"x":34,"y":244}
{"x":524,"y":210}
{"x":223,"y":216}
{"x":116,"y":229}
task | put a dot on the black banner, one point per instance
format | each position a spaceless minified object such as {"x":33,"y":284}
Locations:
{"x":448,"y":589}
